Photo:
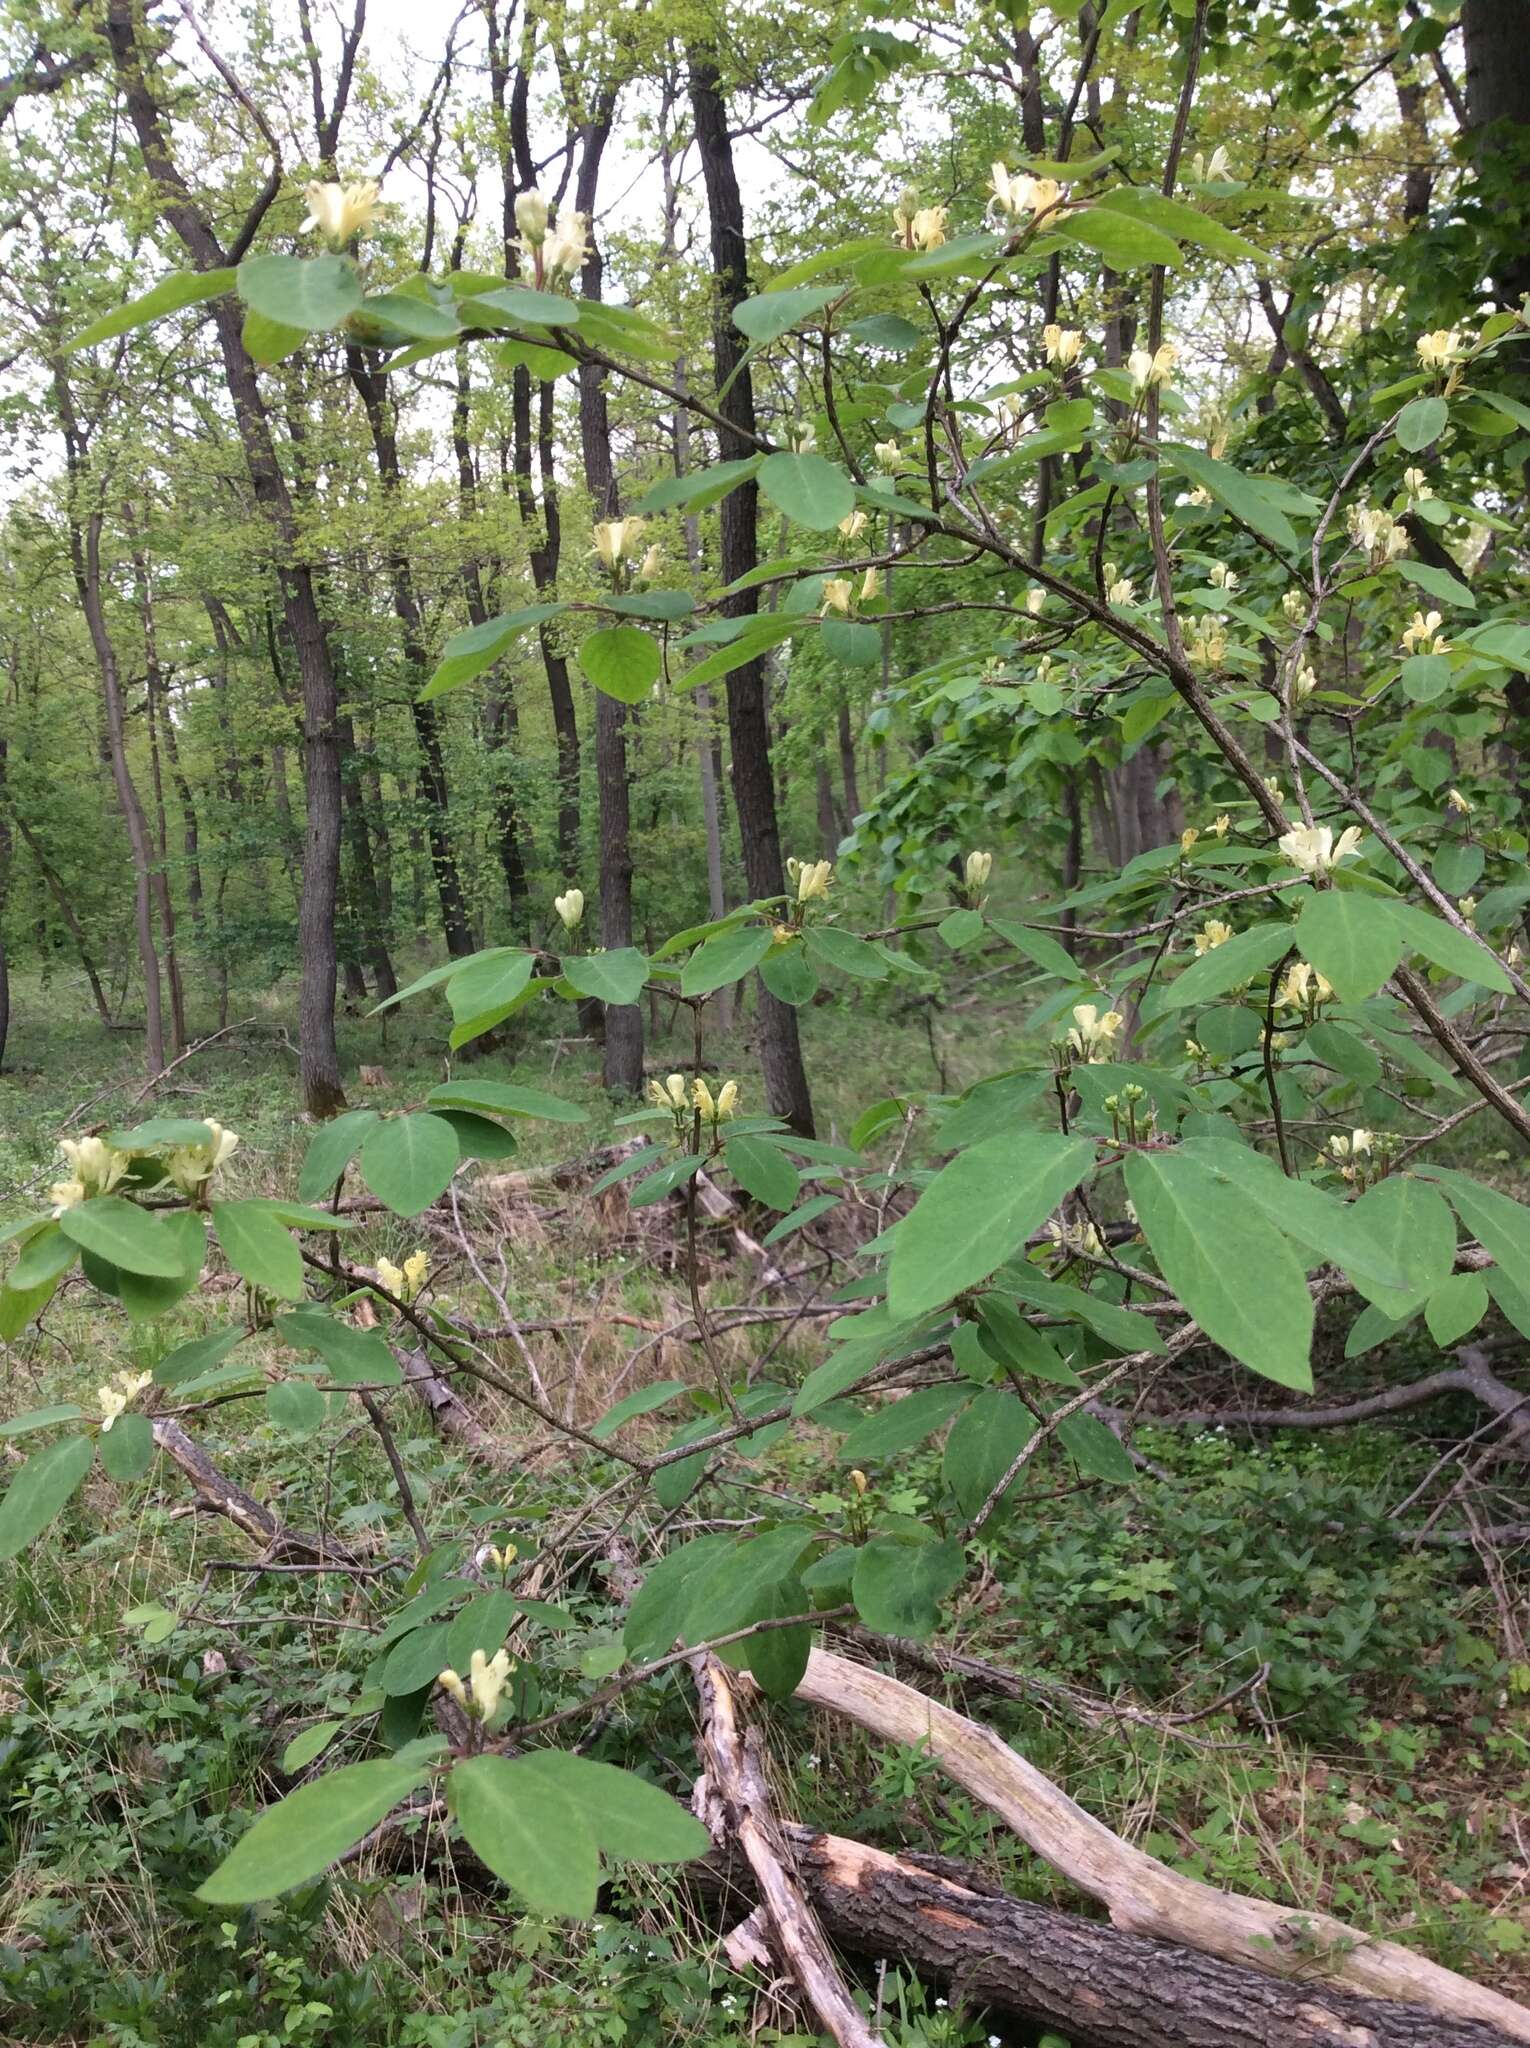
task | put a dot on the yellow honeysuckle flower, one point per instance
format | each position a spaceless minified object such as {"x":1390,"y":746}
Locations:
{"x":531,"y":218}
{"x":340,"y":211}
{"x":1061,"y":345}
{"x":1314,"y":850}
{"x":838,"y":596}
{"x":1211,"y":935}
{"x":570,"y":908}
{"x":813,"y":879}
{"x":1440,"y":348}
{"x":976,"y":869}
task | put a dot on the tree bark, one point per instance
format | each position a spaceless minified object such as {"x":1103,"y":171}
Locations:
{"x":622,"y":1064}
{"x":371,"y":384}
{"x":1101,"y":1988}
{"x":1142,"y":1895}
{"x":754,"y":792}
{"x":1498,"y":108}
{"x":319,"y":1058}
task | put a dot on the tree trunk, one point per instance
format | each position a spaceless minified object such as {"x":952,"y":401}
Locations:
{"x":754,"y":792}
{"x":622,"y":1065}
{"x":372,"y":385}
{"x":1498,"y":107}
{"x":318,"y":1054}
{"x":85,"y":555}
{"x":501,"y":723}
{"x":1101,"y":1988}
{"x":847,"y":769}
{"x":365,"y":904}
{"x":53,"y":882}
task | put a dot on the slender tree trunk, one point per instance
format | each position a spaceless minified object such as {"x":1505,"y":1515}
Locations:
{"x":754,"y":793}
{"x":319,"y":1058}
{"x":160,"y":877}
{"x":54,"y":884}
{"x":1498,"y":109}
{"x":501,"y":720}
{"x":709,"y":761}
{"x":623,"y":1059}
{"x":847,"y":769}
{"x":85,"y":554}
{"x":365,"y":895}
{"x":372,"y":385}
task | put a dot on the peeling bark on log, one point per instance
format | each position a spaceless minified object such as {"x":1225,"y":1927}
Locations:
{"x":1101,"y":1988}
{"x":1142,"y":1895}
{"x":450,"y":1413}
{"x":219,"y":1493}
{"x":734,"y":1801}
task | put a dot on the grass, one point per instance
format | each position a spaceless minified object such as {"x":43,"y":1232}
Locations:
{"x":1377,"y":1773}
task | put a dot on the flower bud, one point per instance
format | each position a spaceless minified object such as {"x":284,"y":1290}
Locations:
{"x":570,"y":908}
{"x":531,"y":218}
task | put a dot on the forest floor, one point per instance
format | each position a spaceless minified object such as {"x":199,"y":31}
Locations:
{"x":1381,"y":1771}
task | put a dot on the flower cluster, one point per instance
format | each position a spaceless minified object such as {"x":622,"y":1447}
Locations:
{"x":1208,"y":647}
{"x":1119,"y":589}
{"x":1211,"y":935}
{"x":919,"y":227}
{"x":1314,"y":850}
{"x":1152,"y":369}
{"x":617,"y":541}
{"x":1303,"y":988}
{"x":1423,"y":635}
{"x":1061,"y":345}
{"x":975,"y":872}
{"x":840,"y":594}
{"x":341,"y":211}
{"x":1210,"y":170}
{"x":1439,"y":349}
{"x":810,"y":878}
{"x":1375,"y":530}
{"x":94,"y":1169}
{"x":680,"y":1097}
{"x":1018,"y":193}
{"x":487,"y":1679}
{"x":404,"y":1282}
{"x":119,"y":1394}
{"x":191,"y":1167}
{"x":1093,"y":1033}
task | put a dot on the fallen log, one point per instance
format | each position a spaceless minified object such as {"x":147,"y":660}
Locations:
{"x":734,"y":1802}
{"x":453,"y":1418}
{"x":1098,"y":1986}
{"x":1142,"y":1895}
{"x":279,"y":1543}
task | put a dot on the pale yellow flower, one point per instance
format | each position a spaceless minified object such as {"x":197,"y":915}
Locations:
{"x":1211,"y":935}
{"x":838,"y":596}
{"x":1422,"y":635}
{"x":1062,"y":345}
{"x":854,"y":524}
{"x":1093,"y":1034}
{"x":976,"y":870}
{"x":567,"y":248}
{"x":531,"y":219}
{"x":1439,"y":349}
{"x":616,"y":540}
{"x":341,"y":211}
{"x":570,"y":908}
{"x":1314,"y":850}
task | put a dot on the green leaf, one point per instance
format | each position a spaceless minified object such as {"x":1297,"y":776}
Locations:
{"x":1229,"y":965}
{"x":125,"y":1235}
{"x":699,"y":489}
{"x":521,"y":1822}
{"x":959,"y":928}
{"x":898,"y":1587}
{"x":468,"y":653}
{"x":1436,"y":583}
{"x":315,"y":293}
{"x":478,"y":1137}
{"x":187,"y":1360}
{"x":268,"y":341}
{"x":898,"y":1425}
{"x":641,"y":1403}
{"x":983,"y":1444}
{"x":732,"y":1588}
{"x":409,"y":1160}
{"x":525,"y":307}
{"x":630,"y":1819}
{"x":976,"y":1211}
{"x":788,"y":973}
{"x":1425,"y":677}
{"x":482,"y":1625}
{"x":656,"y":1616}
{"x":484,"y":991}
{"x":415,"y":1659}
{"x":301,"y":1835}
{"x":43,"y":1259}
{"x":763,"y":1170}
{"x":809,"y":1212}
{"x":1125,"y":244}
{"x":1337,"y":1231}
{"x":1096,"y":1450}
{"x":311,"y":1743}
{"x":127,"y":1448}
{"x":1232,"y":1270}
{"x":295,"y":1406}
{"x":40,"y":1418}
{"x":1457,"y":952}
{"x":1007,"y":1337}
{"x":159,"y":1132}
{"x":1240,"y":494}
{"x":330,"y":1151}
{"x":1040,"y":947}
{"x":503,"y":1098}
{"x":624,"y":661}
{"x":1412,"y":1221}
{"x":1500,"y":1224}
{"x":354,"y":1357}
{"x":41,"y":1490}
{"x":888,"y":331}
{"x":1456,"y":1307}
{"x":808,"y":489}
{"x":180,"y":289}
{"x":772,"y":314}
{"x":415,"y":318}
{"x":259,"y":1248}
{"x":1185,"y":223}
{"x":1421,"y":422}
{"x":616,"y":977}
{"x":845,"y":952}
{"x":724,"y":960}
{"x":1350,"y":937}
